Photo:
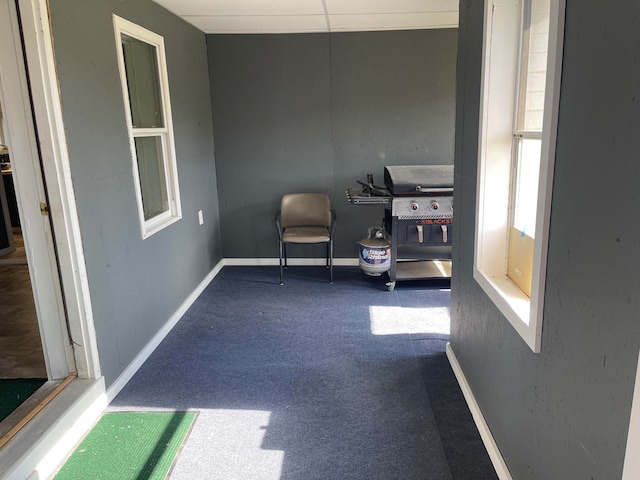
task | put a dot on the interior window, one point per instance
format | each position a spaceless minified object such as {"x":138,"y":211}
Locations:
{"x":522,"y":59}
{"x":146,"y":97}
{"x":527,"y":140}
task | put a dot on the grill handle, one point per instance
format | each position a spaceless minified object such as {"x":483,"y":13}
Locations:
{"x":445,"y":233}
{"x":433,"y":189}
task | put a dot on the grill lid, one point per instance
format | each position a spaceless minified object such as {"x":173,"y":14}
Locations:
{"x":419,"y":179}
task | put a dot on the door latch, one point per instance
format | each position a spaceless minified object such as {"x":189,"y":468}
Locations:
{"x":44,"y":209}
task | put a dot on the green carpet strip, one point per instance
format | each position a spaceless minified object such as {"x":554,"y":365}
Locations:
{"x":129,"y":445}
{"x":14,"y":392}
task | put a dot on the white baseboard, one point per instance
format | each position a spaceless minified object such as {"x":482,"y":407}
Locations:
{"x":485,"y":433}
{"x":270,"y":262}
{"x":137,"y":362}
{"x":38,"y":450}
{"x":631,"y":467}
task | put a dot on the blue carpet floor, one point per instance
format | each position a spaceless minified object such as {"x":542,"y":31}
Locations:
{"x":313,"y":381}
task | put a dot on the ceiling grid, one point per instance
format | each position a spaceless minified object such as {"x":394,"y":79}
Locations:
{"x":300,"y":16}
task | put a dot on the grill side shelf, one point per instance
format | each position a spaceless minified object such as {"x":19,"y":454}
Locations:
{"x":356,"y":197}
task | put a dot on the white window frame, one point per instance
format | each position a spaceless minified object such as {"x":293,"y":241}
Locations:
{"x":502,"y":21}
{"x":631,"y":469}
{"x":174,"y":211}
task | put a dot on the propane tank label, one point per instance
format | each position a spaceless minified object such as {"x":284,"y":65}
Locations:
{"x":375,"y":256}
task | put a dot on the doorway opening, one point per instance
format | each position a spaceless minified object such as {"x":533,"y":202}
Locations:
{"x":21,"y":353}
{"x":35,"y":352}
{"x":24,"y":380}
{"x":74,"y":393}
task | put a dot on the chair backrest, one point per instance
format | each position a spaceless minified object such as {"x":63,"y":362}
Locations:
{"x":305,"y":210}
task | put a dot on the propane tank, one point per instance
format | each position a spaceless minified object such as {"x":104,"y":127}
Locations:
{"x":375,"y":253}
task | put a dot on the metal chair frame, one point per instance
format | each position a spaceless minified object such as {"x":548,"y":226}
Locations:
{"x":327,"y":223}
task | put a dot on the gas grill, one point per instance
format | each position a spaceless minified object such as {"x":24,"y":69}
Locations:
{"x":418,"y":202}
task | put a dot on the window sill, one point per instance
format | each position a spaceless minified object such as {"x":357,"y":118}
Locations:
{"x":159,"y":223}
{"x":513,"y":304}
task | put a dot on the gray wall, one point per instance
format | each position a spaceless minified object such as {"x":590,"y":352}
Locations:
{"x":316,"y":112}
{"x":136,"y":285}
{"x":563,"y":413}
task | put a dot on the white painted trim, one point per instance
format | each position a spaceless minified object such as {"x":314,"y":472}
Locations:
{"x":174,"y":211}
{"x":146,"y":352}
{"x":57,"y":172}
{"x":79,"y":405}
{"x":631,"y":469}
{"x":42,"y":445}
{"x":485,"y":433}
{"x":269,"y":262}
{"x":76,"y":409}
{"x":30,"y":193}
{"x":498,"y":87}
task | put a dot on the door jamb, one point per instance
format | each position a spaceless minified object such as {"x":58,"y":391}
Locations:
{"x":631,"y":467}
{"x":40,"y":60}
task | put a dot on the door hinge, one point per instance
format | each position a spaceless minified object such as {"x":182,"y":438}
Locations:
{"x":44,"y":208}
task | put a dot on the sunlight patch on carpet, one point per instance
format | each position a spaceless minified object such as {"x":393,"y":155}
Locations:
{"x":387,"y":320}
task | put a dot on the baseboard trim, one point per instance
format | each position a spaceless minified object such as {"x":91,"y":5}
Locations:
{"x":146,"y":352}
{"x":305,"y":262}
{"x":485,"y":433}
{"x":631,"y":467}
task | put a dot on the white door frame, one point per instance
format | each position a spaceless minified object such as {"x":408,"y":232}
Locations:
{"x":34,"y":16}
{"x":20,"y":137}
{"x":632,"y":460}
{"x":39,"y":447}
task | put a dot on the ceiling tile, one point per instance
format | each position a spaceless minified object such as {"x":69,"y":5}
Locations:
{"x":244,"y":7}
{"x":259,"y":24}
{"x":393,"y":21}
{"x":338,"y":7}
{"x":260,"y":16}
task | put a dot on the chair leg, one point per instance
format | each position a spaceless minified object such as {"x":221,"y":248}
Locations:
{"x":331,"y":261}
{"x":284,"y":249}
{"x":327,"y":253}
{"x":281,"y":269}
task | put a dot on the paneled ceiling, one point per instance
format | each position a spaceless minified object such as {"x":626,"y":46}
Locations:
{"x":297,"y":16}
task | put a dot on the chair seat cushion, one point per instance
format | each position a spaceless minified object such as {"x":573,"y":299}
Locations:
{"x":305,"y":235}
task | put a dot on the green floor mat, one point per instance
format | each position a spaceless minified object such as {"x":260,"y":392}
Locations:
{"x":129,"y":445}
{"x":15,"y":391}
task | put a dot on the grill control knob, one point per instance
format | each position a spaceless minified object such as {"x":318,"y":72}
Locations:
{"x":414,"y":206}
{"x":434,"y":206}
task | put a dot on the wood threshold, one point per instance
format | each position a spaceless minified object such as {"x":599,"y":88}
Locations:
{"x":11,"y":425}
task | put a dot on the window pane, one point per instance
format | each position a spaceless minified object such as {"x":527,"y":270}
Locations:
{"x":526,"y":187}
{"x":141,"y":68}
{"x":152,"y":173}
{"x":534,"y":65}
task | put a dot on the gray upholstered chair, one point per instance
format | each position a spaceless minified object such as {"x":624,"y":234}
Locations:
{"x":305,"y":218}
